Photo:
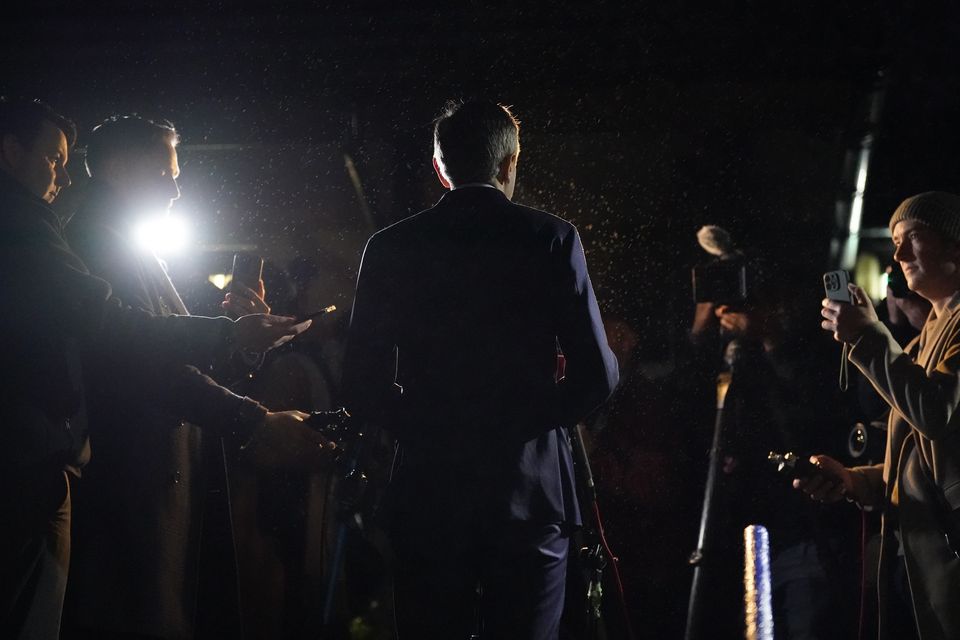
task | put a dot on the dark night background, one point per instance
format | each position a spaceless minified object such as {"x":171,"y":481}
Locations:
{"x":640,"y":121}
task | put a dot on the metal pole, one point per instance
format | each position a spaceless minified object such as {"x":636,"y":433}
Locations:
{"x":706,"y":515}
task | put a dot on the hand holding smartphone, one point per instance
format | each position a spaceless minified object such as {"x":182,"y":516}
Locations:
{"x":247,"y":271}
{"x":835,"y":286}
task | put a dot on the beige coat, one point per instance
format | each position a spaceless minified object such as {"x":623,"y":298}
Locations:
{"x":922,"y":385}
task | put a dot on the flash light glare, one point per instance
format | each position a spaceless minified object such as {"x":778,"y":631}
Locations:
{"x":220,"y":280}
{"x":163,"y":235}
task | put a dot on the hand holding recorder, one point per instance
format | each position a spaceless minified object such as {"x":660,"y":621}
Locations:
{"x":285,"y":440}
{"x":826,"y":480}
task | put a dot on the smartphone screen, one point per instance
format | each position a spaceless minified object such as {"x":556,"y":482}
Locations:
{"x":247,"y":270}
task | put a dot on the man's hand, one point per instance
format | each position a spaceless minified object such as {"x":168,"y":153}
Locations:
{"x":848,"y":320}
{"x":242,"y":300}
{"x":829,"y":483}
{"x":283,"y":441}
{"x":704,"y":320}
{"x":738,"y":322}
{"x":260,"y":332}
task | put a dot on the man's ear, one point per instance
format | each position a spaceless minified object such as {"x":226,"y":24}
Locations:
{"x":11,"y":150}
{"x":436,"y":167}
{"x":507,"y":170}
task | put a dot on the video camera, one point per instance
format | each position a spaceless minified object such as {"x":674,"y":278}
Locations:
{"x":721,"y":281}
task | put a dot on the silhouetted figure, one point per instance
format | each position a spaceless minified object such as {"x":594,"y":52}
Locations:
{"x":465,"y":306}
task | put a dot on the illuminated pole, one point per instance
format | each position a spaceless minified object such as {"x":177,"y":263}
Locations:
{"x":758,"y":611}
{"x":854,"y":209}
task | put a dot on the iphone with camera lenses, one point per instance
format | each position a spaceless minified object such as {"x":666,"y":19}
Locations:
{"x":835,"y":286}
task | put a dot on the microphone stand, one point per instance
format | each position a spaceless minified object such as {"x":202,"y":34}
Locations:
{"x":592,"y":556}
{"x":351,"y":487}
{"x":700,"y":557}
{"x":595,"y":555}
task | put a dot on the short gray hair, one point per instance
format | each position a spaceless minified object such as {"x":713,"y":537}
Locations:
{"x":471,"y":140}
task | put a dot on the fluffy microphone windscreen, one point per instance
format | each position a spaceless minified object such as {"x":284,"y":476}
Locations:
{"x":715,"y":240}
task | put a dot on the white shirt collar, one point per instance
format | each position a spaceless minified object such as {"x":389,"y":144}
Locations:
{"x":473,"y":184}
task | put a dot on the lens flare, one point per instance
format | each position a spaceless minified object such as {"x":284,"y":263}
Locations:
{"x":163,"y":235}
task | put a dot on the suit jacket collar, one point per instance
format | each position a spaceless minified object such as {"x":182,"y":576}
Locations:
{"x":22,"y":208}
{"x":473,"y":194}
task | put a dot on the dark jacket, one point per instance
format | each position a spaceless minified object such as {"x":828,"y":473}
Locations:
{"x":57,"y":312}
{"x":59,"y":322}
{"x":465,"y":306}
{"x":138,"y":510}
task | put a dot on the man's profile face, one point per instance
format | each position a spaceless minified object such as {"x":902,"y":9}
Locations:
{"x":923,"y":255}
{"x":41,"y":165}
{"x":149,"y":180}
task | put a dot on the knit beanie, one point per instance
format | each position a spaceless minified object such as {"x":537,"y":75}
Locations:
{"x":938,"y":210}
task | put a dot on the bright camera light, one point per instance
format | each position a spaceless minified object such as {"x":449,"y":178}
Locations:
{"x":220,"y":280}
{"x":163,"y":235}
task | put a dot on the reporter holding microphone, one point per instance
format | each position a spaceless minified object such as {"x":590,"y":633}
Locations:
{"x":918,"y":485}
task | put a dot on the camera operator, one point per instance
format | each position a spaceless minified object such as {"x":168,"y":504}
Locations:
{"x":917,"y":484}
{"x":772,"y":405}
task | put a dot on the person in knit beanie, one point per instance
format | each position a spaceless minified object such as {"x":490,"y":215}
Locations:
{"x":938,"y":210}
{"x":918,"y":485}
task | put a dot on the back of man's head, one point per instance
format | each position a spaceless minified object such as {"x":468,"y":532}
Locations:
{"x":472,"y":139}
{"x":23,"y":119}
{"x":122,"y":138}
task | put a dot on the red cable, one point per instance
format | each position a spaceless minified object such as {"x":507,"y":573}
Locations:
{"x":616,"y":571}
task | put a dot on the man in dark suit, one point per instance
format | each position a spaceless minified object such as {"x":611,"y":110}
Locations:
{"x":467,"y":306}
{"x":145,"y":505}
{"x":60,"y":313}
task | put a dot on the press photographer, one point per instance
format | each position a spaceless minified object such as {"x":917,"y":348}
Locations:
{"x":918,"y":484}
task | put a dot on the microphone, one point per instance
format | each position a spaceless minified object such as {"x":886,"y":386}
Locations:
{"x":716,"y":241}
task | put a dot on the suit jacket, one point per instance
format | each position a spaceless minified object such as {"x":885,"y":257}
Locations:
{"x":922,"y":386}
{"x":465,"y":307}
{"x":59,"y":313}
{"x":138,"y":510}
{"x":63,"y":312}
